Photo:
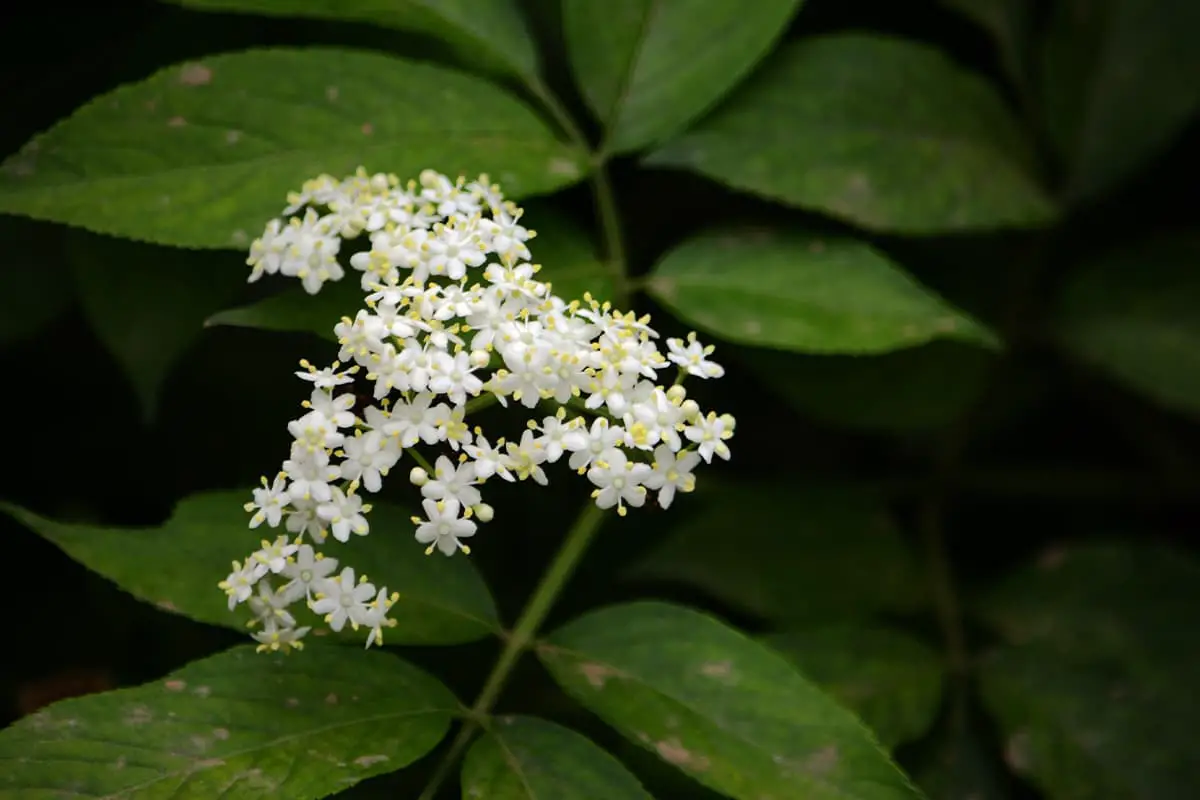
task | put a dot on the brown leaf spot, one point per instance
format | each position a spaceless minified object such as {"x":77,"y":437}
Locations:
{"x":176,"y":122}
{"x":823,"y":761}
{"x":209,"y":763}
{"x":220,"y":734}
{"x":596,"y":674}
{"x":717,"y":669}
{"x":232,"y":137}
{"x":816,"y":246}
{"x":175,"y":685}
{"x":1016,"y":752}
{"x":195,"y":75}
{"x":119,"y":763}
{"x":167,"y":605}
{"x":673,"y":752}
{"x":331,"y":93}
{"x":564,"y":167}
{"x":202,"y":691}
{"x":331,"y":699}
{"x":369,"y":761}
{"x":367,"y":129}
{"x":752,"y":327}
{"x":138,"y":715}
{"x":663,"y":287}
{"x":291,"y":702}
{"x":1053,"y":558}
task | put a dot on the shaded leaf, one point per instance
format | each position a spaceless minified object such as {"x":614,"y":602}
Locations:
{"x":962,"y":766}
{"x":237,"y":724}
{"x":890,"y":679}
{"x":648,"y":67}
{"x":489,"y":33}
{"x":918,"y":389}
{"x":569,"y":257}
{"x":203,"y":154}
{"x":1010,"y":24}
{"x":729,"y":712}
{"x":178,"y":565}
{"x":804,"y":293}
{"x":525,"y":758}
{"x":884,"y":133}
{"x":1132,"y":313}
{"x":827,"y":553}
{"x":1094,"y":690}
{"x":148,"y":304}
{"x":295,"y":310}
{"x":1118,"y":84}
{"x":31,"y":295}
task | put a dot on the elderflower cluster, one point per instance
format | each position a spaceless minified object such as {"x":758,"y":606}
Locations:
{"x":453,"y":319}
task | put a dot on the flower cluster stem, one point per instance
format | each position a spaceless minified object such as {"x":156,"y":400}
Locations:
{"x":521,"y":637}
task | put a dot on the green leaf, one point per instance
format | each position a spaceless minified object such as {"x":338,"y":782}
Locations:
{"x":177,"y":567}
{"x":891,"y":680}
{"x":490,"y":33}
{"x":1118,"y":85}
{"x":1094,"y":691}
{"x":238,"y":724}
{"x":147,"y":304}
{"x":1132,"y":313}
{"x":1010,"y":24}
{"x":920,"y":389}
{"x":647,"y":67}
{"x":570,"y":260}
{"x":789,"y":551}
{"x":887,"y":134}
{"x":729,"y":712}
{"x":31,"y":296}
{"x":203,"y":154}
{"x":295,"y":310}
{"x":804,"y":293}
{"x":525,"y":758}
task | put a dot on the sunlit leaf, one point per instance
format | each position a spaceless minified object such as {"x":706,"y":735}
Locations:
{"x":177,"y":567}
{"x":525,"y":758}
{"x":891,"y":680}
{"x":728,"y":711}
{"x":238,"y":724}
{"x":647,"y":68}
{"x":804,"y":293}
{"x":884,"y":133}
{"x":203,"y":154}
{"x":487,"y":33}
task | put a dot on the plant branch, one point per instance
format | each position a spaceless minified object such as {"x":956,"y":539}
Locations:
{"x":521,"y":637}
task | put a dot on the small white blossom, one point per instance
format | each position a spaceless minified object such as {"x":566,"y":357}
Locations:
{"x":443,"y":529}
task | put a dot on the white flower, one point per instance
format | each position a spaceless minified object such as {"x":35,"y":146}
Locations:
{"x":376,"y":617}
{"x":310,"y":473}
{"x":443,"y":529}
{"x":239,"y":585}
{"x":314,"y":431}
{"x":326,"y":378}
{"x":588,"y":445}
{"x":272,"y":638}
{"x":694,"y":357}
{"x":368,"y":457}
{"x":489,"y":461}
{"x":274,"y":555}
{"x":527,"y":456}
{"x":671,"y":473}
{"x":710,"y":433}
{"x":270,"y":608}
{"x":345,"y":514}
{"x":303,"y":520}
{"x":412,"y":421}
{"x":307,"y":570}
{"x":454,"y":377}
{"x":269,"y":502}
{"x":452,"y":482}
{"x":554,"y":432}
{"x":341,"y":600}
{"x":618,"y":481}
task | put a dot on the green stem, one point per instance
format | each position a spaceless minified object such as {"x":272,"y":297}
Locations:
{"x":521,"y":637}
{"x":602,"y":194}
